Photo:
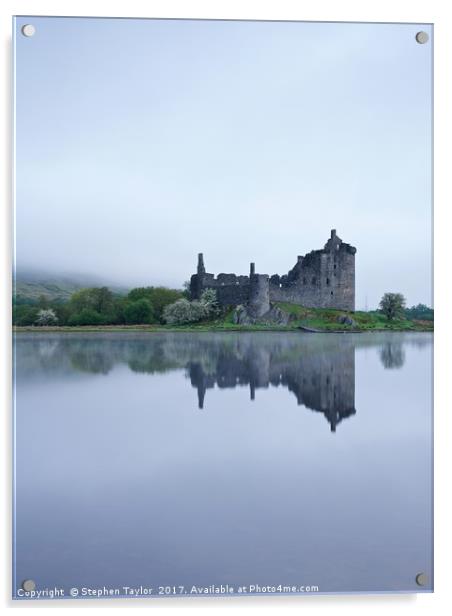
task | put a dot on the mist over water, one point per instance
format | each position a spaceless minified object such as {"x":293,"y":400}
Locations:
{"x":210,"y":458}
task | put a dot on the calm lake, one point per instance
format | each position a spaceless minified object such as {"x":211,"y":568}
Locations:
{"x":181,"y":459}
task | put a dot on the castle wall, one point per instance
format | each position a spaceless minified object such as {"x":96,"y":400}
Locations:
{"x":231,"y":290}
{"x":321,"y":279}
{"x":303,"y":283}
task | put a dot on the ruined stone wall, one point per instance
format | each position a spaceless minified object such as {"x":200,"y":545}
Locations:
{"x":303,"y":283}
{"x":321,"y":279}
{"x":231,"y":290}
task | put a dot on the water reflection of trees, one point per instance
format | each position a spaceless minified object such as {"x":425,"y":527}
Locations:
{"x":392,"y":350}
{"x":392,"y":355}
{"x":95,"y":361}
{"x":318,"y":370}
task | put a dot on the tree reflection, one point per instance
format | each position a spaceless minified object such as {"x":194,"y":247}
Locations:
{"x":392,"y":355}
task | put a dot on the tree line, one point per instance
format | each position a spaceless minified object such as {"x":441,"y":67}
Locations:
{"x":98,"y":306}
{"x":156,"y":305}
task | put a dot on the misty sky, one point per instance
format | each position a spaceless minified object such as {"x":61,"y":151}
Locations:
{"x":140,"y":143}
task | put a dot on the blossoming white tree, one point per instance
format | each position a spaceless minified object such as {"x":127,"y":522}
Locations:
{"x":183,"y":311}
{"x":46,"y":317}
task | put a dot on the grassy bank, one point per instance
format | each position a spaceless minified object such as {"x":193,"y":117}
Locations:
{"x":326,"y":320}
{"x":313,"y":318}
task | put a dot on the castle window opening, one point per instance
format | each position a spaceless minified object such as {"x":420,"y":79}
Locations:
{"x":327,"y":281}
{"x":331,"y":292}
{"x":313,"y":280}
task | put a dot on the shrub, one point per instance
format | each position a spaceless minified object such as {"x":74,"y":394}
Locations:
{"x":24,"y":315}
{"x":138,"y":312}
{"x":184,"y":311}
{"x":421,"y":311}
{"x":87,"y":316}
{"x":46,"y":316}
{"x":209,"y":300}
{"x":159,"y":298}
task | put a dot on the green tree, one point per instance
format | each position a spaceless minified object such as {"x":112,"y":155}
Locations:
{"x":138,"y":312}
{"x":159,"y":297}
{"x":96,"y":299}
{"x":99,"y":299}
{"x":24,"y":314}
{"x":392,"y":305}
{"x":139,"y":293}
{"x":80,"y":300}
{"x":62,"y":312}
{"x":421,"y":312}
{"x":103,"y":300}
{"x":87,"y":316}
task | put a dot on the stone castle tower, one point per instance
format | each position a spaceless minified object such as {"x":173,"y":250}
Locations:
{"x":322,"y":278}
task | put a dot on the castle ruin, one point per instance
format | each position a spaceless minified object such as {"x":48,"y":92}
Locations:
{"x":322,"y":278}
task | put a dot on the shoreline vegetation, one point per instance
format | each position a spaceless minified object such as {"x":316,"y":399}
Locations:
{"x":307,"y":320}
{"x":160,"y":309}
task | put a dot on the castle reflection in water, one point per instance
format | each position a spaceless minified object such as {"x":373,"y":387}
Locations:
{"x":321,"y":378}
{"x":318,"y":369}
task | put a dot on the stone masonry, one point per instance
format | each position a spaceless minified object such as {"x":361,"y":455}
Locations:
{"x":322,"y":278}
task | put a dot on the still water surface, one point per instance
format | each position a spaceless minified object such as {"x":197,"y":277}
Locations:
{"x":237,"y":458}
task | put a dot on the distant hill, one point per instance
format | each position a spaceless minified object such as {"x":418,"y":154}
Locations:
{"x":30,"y":285}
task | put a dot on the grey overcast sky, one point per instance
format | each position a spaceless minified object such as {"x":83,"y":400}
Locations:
{"x":140,"y":143}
